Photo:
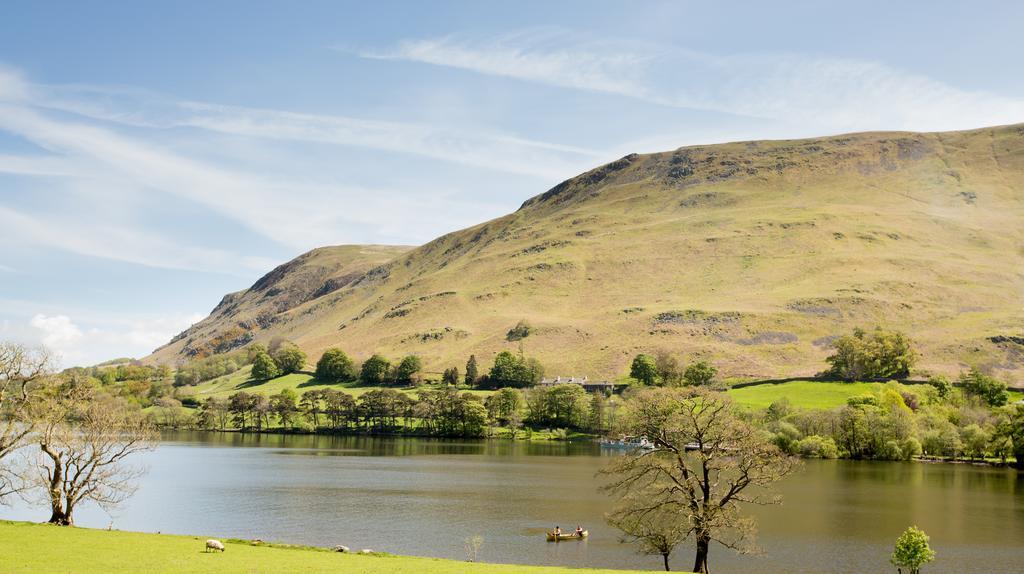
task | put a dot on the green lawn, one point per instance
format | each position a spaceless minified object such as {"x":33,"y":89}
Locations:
{"x":223,"y":387}
{"x":803,"y":394}
{"x":27,"y":548}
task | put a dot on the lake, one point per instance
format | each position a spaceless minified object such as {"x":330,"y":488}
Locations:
{"x":425,"y":497}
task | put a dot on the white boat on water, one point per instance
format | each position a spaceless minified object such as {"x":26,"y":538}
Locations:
{"x":628,"y":443}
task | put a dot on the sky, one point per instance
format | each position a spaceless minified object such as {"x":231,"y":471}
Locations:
{"x":155,"y":156}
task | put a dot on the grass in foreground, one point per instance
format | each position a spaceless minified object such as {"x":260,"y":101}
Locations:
{"x":39,"y":548}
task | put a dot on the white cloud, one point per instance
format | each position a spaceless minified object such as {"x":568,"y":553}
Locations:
{"x":293,"y":209}
{"x":78,"y":346}
{"x":546,"y":56}
{"x":479,"y":148}
{"x":58,"y":332}
{"x":813,"y":92}
{"x":12,"y":86}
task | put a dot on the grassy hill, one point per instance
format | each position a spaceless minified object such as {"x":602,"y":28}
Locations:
{"x":752,"y":255}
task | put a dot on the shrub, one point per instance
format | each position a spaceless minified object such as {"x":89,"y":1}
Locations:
{"x":699,"y":374}
{"x":890,"y":451}
{"x":941,"y":385}
{"x":786,"y":436}
{"x":862,"y":400}
{"x":910,"y":447}
{"x":818,"y":446}
{"x":521,"y":331}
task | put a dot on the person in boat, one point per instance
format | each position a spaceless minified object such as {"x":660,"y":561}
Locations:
{"x":558,"y":531}
{"x":579,"y":531}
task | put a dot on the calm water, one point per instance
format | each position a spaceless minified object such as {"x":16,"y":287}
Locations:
{"x":424,"y":497}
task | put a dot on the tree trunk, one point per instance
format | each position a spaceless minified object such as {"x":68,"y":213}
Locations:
{"x":59,"y":517}
{"x":665,"y":558}
{"x":700,"y":563}
{"x":58,"y":514}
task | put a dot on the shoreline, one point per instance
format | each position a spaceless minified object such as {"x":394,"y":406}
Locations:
{"x":577,"y":437}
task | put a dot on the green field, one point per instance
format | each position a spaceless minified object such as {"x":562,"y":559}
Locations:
{"x":802,"y":394}
{"x":27,"y":548}
{"x":223,"y":387}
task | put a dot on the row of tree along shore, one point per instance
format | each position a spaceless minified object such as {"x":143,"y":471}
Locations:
{"x":964,"y":419}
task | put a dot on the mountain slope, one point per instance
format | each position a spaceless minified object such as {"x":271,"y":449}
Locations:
{"x":750,"y":254}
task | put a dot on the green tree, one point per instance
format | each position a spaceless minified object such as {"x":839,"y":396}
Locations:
{"x":240,"y":406}
{"x":264,"y":367}
{"x":706,"y":461}
{"x":877,"y":355}
{"x":502,"y":405}
{"x":473,"y":417}
{"x":285,"y":406}
{"x":699,"y":374}
{"x":311,"y":404}
{"x":213,"y":413}
{"x":290,"y":359}
{"x":451,"y":376}
{"x":668,"y":368}
{"x":472,"y":371}
{"x":941,"y":385}
{"x":989,"y":389}
{"x":568,"y":406}
{"x":335,"y":366}
{"x":512,"y":370}
{"x":644,"y":369}
{"x":1010,"y":433}
{"x":912,"y":550}
{"x":375,"y":370}
{"x":975,"y":440}
{"x":408,"y":370}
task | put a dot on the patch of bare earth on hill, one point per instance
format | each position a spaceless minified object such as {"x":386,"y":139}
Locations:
{"x":435,"y":335}
{"x":405,"y":307}
{"x":696,"y":322}
{"x":825,"y":342}
{"x":1012,"y":348}
{"x":543,"y":246}
{"x":768,"y":338}
{"x":708,"y":199}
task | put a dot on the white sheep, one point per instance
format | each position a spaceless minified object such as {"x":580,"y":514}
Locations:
{"x":212,"y":544}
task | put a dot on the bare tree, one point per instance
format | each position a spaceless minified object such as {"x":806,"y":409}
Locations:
{"x":21,"y":371}
{"x":84,"y":439}
{"x":705,"y":463}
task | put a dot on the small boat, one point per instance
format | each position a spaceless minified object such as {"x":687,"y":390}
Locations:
{"x":552,"y":537}
{"x":629,"y":443}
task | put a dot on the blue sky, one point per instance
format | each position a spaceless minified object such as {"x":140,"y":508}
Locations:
{"x":157,"y":155}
